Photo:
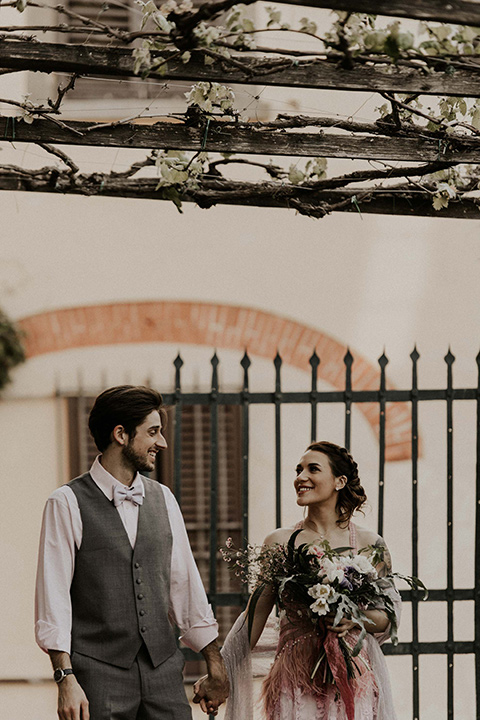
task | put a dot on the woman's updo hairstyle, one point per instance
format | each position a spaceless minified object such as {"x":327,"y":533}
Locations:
{"x":352,"y":496}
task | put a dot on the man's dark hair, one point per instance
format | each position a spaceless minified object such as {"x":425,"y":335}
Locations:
{"x":126,"y":405}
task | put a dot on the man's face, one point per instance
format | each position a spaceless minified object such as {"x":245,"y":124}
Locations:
{"x":141,"y":450}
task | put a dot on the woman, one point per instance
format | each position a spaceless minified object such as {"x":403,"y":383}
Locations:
{"x":328,"y":488}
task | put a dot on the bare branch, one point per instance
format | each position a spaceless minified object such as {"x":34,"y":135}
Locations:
{"x":60,"y":154}
{"x":414,"y":111}
{"x":61,"y":92}
{"x":274,"y":171}
{"x":387,"y":174}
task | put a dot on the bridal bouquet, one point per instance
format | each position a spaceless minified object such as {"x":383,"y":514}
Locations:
{"x":316,"y":580}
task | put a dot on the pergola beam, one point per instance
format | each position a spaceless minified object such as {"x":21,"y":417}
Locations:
{"x":459,"y":12}
{"x":245,"y":138}
{"x":215,"y":192}
{"x":296,"y":73}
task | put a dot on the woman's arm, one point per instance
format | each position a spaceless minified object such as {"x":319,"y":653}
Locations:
{"x":263,"y":608}
{"x":266,"y":601}
{"x":379,"y":623}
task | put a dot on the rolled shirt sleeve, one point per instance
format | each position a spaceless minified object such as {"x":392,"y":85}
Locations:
{"x":56,"y":557}
{"x":189,"y":606}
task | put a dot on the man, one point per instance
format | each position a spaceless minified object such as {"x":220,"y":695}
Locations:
{"x":115,"y":570}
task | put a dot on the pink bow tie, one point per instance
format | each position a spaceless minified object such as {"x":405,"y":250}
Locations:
{"x":122,"y":493}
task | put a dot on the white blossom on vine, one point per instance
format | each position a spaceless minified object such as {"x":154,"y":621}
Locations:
{"x":209,"y":96}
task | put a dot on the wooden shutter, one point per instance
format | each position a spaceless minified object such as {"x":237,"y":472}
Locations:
{"x":195,"y":490}
{"x":82,"y":449}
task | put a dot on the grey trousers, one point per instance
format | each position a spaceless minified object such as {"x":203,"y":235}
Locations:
{"x":140,"y":693}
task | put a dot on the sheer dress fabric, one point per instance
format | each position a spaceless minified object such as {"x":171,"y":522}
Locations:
{"x":288,"y":692}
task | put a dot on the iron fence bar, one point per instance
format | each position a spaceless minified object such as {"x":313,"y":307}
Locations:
{"x":245,"y":363}
{"x":450,"y":359}
{"x":406,"y":595}
{"x":177,"y":432}
{"x":426,"y":648}
{"x":382,"y":361}
{"x":278,"y":450}
{"x":477,"y":550}
{"x":213,"y":479}
{"x":414,"y":447}
{"x":347,"y":397}
{"x":82,"y":429}
{"x":314,"y":363}
{"x":461,"y":647}
{"x":333,"y":396}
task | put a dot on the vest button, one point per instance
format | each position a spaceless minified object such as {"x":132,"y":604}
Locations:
{"x":137,"y":565}
{"x":142,"y":612}
{"x":138,"y":581}
{"x":143,"y":628}
{"x":140,"y":596}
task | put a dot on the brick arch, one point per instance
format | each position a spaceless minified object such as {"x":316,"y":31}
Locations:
{"x":220,"y":326}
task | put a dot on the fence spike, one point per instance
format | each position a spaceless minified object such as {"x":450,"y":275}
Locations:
{"x":415,"y":355}
{"x":178,"y":362}
{"x":383,"y":360}
{"x":215,"y":363}
{"x":245,"y":362}
{"x":348,"y":358}
{"x":449,"y":357}
{"x":314,"y":360}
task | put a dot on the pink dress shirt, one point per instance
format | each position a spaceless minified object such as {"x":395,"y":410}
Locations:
{"x":62,"y":534}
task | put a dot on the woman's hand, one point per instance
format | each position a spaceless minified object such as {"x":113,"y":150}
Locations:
{"x":342,"y":628}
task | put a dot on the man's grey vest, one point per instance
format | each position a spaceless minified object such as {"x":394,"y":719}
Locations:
{"x":120,"y":596}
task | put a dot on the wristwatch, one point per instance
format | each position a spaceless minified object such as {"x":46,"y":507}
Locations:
{"x":61,"y":673}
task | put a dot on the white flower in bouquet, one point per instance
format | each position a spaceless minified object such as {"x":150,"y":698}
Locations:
{"x":363,"y":565}
{"x":333,"y":570}
{"x":324,"y":596}
{"x":320,"y":606}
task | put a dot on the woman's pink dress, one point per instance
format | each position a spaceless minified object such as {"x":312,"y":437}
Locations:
{"x":289,"y":692}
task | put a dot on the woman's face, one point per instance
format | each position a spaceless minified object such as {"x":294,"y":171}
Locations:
{"x":315,"y":481}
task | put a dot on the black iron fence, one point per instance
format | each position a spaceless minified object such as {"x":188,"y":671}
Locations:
{"x":348,"y":398}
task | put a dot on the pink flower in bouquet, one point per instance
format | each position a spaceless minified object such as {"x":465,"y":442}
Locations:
{"x":316,"y":551}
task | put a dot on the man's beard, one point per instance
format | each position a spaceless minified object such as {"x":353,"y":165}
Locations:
{"x":139,"y":462}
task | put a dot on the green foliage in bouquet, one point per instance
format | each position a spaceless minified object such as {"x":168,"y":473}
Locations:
{"x":315,"y":580}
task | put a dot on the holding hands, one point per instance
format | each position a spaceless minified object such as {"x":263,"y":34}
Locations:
{"x":212,"y":689}
{"x":210,"y":693}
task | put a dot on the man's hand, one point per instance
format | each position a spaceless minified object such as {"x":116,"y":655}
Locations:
{"x":72,"y":701}
{"x":212,"y":689}
{"x":211,"y":692}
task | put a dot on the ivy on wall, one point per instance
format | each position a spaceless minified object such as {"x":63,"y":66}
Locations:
{"x":12,"y":352}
